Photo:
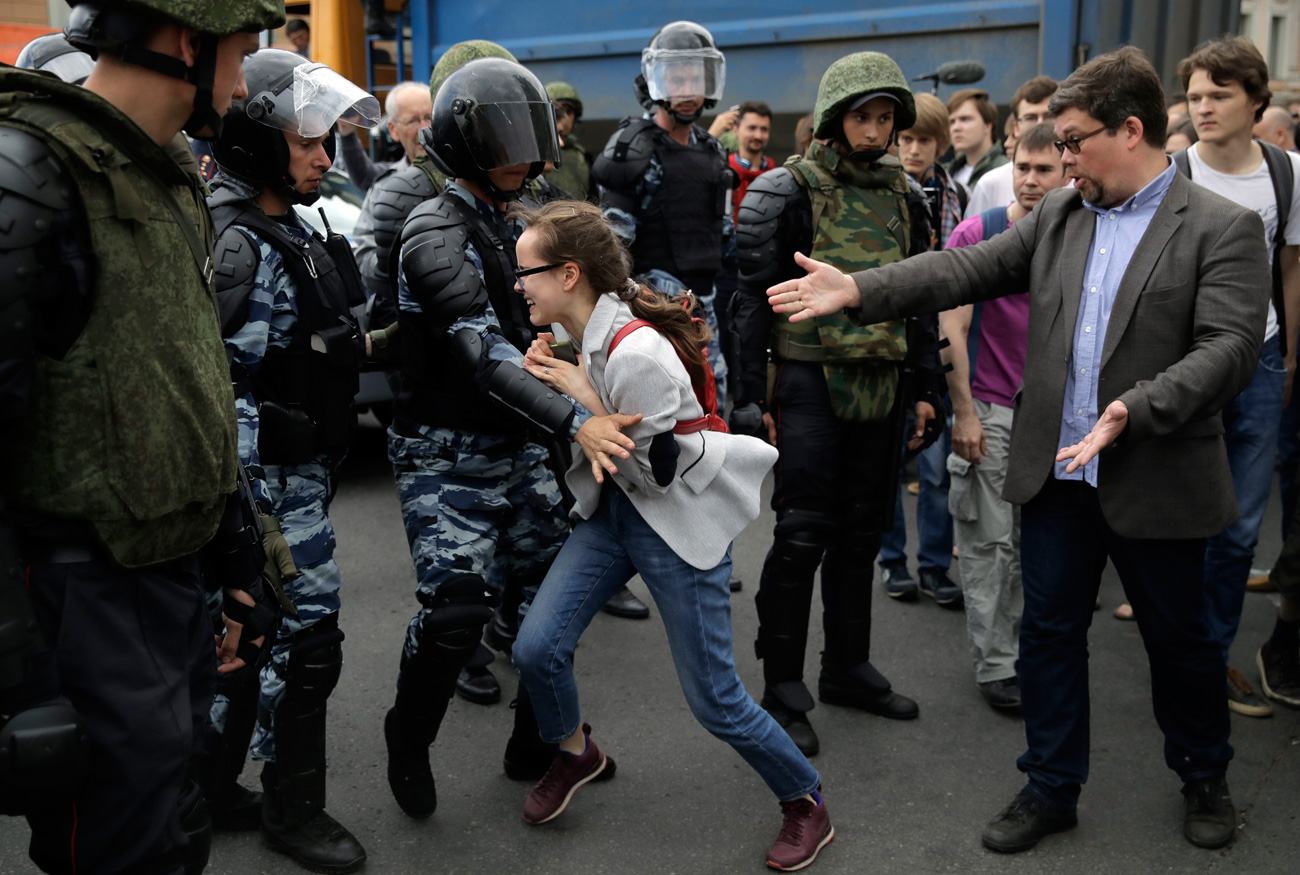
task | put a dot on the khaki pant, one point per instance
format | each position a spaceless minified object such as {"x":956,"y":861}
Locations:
{"x":987,"y":531}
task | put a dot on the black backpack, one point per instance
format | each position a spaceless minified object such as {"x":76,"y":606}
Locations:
{"x":1283,"y":176}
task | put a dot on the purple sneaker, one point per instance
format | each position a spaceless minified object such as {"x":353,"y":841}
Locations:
{"x":806,"y":830}
{"x":567,"y":773}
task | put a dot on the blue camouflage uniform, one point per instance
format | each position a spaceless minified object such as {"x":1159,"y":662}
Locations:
{"x":624,"y":225}
{"x":299,"y":495}
{"x":472,"y":498}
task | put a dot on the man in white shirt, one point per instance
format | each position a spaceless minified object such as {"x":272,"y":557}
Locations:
{"x":1227,"y":92}
{"x":1028,"y":108}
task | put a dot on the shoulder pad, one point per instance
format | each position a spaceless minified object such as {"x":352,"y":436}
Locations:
{"x":626,"y":155}
{"x":34,"y":184}
{"x":768,"y":198}
{"x":391,"y":201}
{"x":236,"y":256}
{"x":438,"y":275}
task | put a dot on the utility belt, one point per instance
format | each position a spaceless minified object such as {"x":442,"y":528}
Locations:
{"x":790,"y":349}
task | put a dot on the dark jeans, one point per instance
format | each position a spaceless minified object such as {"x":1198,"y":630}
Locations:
{"x":1065,"y":542}
{"x":933,"y":522}
{"x":136,"y":659}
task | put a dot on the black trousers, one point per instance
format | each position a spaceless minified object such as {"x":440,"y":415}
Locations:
{"x":136,"y":658}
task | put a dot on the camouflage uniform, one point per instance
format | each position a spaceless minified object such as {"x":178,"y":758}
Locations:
{"x":836,"y":391}
{"x":573,"y":176}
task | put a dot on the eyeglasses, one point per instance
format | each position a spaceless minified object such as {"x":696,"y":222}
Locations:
{"x":426,"y":119}
{"x":1075,"y":144}
{"x":520,"y":274}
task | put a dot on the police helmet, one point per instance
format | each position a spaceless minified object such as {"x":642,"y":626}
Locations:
{"x":488,"y":114}
{"x":683,"y":61}
{"x":286,"y":92}
{"x":123,"y":27}
{"x":52,"y":53}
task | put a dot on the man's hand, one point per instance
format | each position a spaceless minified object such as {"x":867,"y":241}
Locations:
{"x":771,"y":428}
{"x":723,"y":123}
{"x":823,"y":291}
{"x":228,"y":646}
{"x":602,"y":438}
{"x":1114,"y":419}
{"x":924,"y":413}
{"x":968,"y":439}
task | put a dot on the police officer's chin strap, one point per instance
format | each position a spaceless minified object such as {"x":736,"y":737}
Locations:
{"x":202,"y":76}
{"x":501,"y":195}
{"x":680,"y":117}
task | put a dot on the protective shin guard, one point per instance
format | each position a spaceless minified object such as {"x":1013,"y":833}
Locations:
{"x":846,"y":599}
{"x":784,"y":601}
{"x":197,"y":826}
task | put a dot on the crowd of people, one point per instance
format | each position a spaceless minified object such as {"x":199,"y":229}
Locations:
{"x":1056,"y":329}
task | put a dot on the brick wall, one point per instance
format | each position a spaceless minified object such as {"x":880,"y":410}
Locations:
{"x":28,"y":12}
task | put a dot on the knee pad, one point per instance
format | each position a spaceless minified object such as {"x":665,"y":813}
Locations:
{"x":800,"y":538}
{"x":315,"y":662}
{"x":455,"y":614}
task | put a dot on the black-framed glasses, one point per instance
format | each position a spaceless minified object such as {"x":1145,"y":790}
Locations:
{"x":520,"y":274}
{"x":1075,"y":143}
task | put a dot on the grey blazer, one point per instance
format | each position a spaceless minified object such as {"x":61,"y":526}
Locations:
{"x":1183,"y":339}
{"x":715,"y":492}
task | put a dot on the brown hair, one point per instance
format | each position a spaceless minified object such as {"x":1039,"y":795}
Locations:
{"x":757,"y":107}
{"x":577,"y":232}
{"x":1230,"y":59}
{"x":1036,"y":90}
{"x":1184,"y":127}
{"x":1114,"y":87}
{"x":1041,"y":136}
{"x":931,"y":121}
{"x":803,"y":134}
{"x":987,"y":111}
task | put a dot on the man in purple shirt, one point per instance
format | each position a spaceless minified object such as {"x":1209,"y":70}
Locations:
{"x":986,"y":372}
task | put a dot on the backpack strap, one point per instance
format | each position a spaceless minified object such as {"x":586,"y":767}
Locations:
{"x":624,"y":332}
{"x":1281,"y":171}
{"x":1180,"y":161}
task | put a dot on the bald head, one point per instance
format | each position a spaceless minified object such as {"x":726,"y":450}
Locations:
{"x":1276,"y":127}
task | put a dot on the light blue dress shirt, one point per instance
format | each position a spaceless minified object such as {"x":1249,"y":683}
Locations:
{"x":1116,"y":235}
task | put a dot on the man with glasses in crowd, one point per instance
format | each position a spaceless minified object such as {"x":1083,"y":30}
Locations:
{"x":1147,"y":298}
{"x":1028,"y":108}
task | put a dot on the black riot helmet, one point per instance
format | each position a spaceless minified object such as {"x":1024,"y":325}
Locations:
{"x":286,"y":92}
{"x":488,"y":114}
{"x":683,"y":61}
{"x":123,"y":28}
{"x":52,"y":53}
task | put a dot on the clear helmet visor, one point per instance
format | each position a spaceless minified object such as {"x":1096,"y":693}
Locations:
{"x":684,"y":74}
{"x":508,"y":133}
{"x":320,"y":98}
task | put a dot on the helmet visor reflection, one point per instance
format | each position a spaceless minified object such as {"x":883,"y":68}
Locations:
{"x":680,"y":74}
{"x":508,"y":133}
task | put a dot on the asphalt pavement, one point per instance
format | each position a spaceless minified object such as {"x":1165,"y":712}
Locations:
{"x":905,"y":797}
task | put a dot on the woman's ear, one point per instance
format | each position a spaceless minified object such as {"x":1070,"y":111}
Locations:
{"x":571,"y":274}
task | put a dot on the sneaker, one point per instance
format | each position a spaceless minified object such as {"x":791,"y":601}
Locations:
{"x":1209,"y":820}
{"x":567,"y":773}
{"x":1243,"y":699}
{"x":1279,"y":673}
{"x":805,"y":830}
{"x":898,"y":583}
{"x":937,"y":585}
{"x":1003,"y":694}
{"x":1024,"y":822}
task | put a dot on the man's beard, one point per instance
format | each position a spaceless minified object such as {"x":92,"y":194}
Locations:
{"x":1095,"y":194}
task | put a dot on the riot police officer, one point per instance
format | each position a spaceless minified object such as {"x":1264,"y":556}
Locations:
{"x":665,"y":178}
{"x":471,"y":471}
{"x":117,"y":426}
{"x":285,"y":296}
{"x":839,"y":392}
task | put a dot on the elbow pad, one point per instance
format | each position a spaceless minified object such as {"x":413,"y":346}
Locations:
{"x":520,"y":392}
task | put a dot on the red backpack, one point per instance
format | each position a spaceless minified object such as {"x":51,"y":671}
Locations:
{"x":706,"y":388}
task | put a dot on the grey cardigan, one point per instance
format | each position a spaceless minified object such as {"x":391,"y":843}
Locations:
{"x":1183,"y":340}
{"x":715,"y":492}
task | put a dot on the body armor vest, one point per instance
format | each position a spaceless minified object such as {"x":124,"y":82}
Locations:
{"x":133,"y":430}
{"x":855,"y":227}
{"x":435,"y":388}
{"x":310,"y":391}
{"x":681,"y":230}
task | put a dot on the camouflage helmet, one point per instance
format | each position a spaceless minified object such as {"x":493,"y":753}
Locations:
{"x":564,"y":92}
{"x":852,"y":77}
{"x":461,"y":54}
{"x":216,"y":17}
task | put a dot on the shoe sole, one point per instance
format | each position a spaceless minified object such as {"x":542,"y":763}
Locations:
{"x":568,"y":797}
{"x":626,"y":615}
{"x":953,"y":602}
{"x":275,"y":845}
{"x":1250,"y":710}
{"x":808,"y":862}
{"x":907,"y":595}
{"x":1209,"y":846}
{"x":1269,"y":691}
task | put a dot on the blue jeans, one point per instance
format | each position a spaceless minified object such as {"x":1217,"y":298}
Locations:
{"x":1250,"y":425}
{"x":1064,"y":544}
{"x":933,"y":523}
{"x":601,"y":556}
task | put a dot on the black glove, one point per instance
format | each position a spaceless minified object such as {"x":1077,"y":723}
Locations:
{"x":748,"y":420}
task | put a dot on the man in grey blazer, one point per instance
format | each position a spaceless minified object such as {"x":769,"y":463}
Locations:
{"x":1147,"y":304}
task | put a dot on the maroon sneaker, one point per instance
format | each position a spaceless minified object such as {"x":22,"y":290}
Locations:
{"x":806,"y":830}
{"x":567,"y":773}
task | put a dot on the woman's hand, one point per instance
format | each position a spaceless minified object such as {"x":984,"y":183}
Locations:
{"x":562,"y":376}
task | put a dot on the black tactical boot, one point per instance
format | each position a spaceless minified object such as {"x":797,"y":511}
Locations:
{"x":789,"y":704}
{"x":864,"y":688}
{"x":527,"y":756}
{"x":296,"y":824}
{"x":476,"y":683}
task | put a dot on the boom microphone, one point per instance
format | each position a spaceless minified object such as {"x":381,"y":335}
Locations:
{"x":956,"y":73}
